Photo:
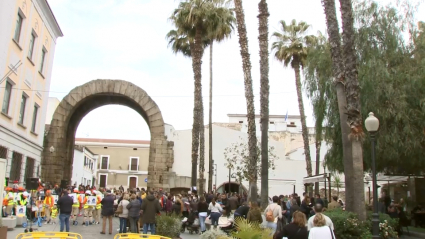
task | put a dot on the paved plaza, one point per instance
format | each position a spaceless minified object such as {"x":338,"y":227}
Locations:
{"x":93,"y":231}
{"x":90,"y":232}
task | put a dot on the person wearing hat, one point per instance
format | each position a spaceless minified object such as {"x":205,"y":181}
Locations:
{"x":75,"y":207}
{"x":10,"y":201}
{"x":23,"y":201}
{"x":88,"y":209}
{"x":98,"y":210}
{"x":49,"y":201}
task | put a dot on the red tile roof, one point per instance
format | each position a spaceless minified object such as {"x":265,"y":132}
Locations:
{"x":117,"y":141}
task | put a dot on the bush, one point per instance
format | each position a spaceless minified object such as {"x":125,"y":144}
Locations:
{"x":168,"y":226}
{"x":214,"y":234}
{"x":348,"y":226}
{"x":247,"y":230}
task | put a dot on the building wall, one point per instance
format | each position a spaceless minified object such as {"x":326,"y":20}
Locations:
{"x":83,"y":174}
{"x":23,"y":72}
{"x":119,"y":155}
{"x":52,"y":104}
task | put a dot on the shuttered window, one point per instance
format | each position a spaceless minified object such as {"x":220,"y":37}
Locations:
{"x":29,"y":168}
{"x":15,"y":170}
{"x":104,"y":163}
{"x":3,"y":152}
{"x":134,"y":162}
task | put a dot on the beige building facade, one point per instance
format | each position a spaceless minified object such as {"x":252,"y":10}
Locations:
{"x":120,"y":162}
{"x":28,"y":36}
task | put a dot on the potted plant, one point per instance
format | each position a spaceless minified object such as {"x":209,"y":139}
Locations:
{"x":3,"y":229}
{"x":168,"y":226}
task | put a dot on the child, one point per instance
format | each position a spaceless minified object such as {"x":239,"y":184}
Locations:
{"x":54,"y":214}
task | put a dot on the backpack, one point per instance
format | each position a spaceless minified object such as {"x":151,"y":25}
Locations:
{"x":269,"y":215}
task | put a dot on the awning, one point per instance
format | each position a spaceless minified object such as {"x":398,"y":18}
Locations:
{"x":315,"y":179}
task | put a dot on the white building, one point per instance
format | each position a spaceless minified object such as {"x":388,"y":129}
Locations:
{"x":84,"y":167}
{"x":28,"y":35}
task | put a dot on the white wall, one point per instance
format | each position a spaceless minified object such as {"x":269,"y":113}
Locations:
{"x":78,"y":170}
{"x":51,"y":107}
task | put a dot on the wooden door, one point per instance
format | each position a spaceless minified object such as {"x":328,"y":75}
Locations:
{"x":102,"y":183}
{"x":133,"y":182}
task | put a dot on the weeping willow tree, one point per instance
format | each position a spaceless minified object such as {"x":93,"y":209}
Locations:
{"x":392,"y":83}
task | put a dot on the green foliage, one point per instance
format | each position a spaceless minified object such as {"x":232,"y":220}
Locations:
{"x":168,"y":226}
{"x":392,"y":82}
{"x":247,"y":230}
{"x":348,"y":226}
{"x":214,"y":234}
{"x":237,"y":158}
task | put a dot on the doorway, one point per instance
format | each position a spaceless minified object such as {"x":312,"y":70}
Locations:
{"x":132,"y":182}
{"x":102,"y":181}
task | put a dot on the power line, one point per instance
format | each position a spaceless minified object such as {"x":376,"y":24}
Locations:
{"x":158,"y":96}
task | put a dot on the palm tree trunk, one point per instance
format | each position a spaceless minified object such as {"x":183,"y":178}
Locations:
{"x":249,"y":95}
{"x":210,"y":143}
{"x":338,"y":74}
{"x":201,"y":149}
{"x":264,"y":99}
{"x":318,"y":145}
{"x":196,"y":66}
{"x":303,"y":122}
{"x":354,"y":117}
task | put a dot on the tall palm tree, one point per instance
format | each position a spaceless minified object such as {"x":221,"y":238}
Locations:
{"x":291,"y":48}
{"x":354,"y":117}
{"x":196,"y":19}
{"x":224,"y":26}
{"x":263,"y":38}
{"x":339,"y":80}
{"x":249,"y":95}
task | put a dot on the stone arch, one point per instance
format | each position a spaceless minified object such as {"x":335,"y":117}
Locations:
{"x":57,"y":165}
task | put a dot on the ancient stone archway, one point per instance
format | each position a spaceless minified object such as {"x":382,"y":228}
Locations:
{"x":57,"y":165}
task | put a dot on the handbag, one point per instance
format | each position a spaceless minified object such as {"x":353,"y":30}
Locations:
{"x":119,"y":209}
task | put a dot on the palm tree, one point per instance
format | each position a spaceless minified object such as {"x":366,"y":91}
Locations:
{"x":263,"y":38}
{"x":197,"y":19}
{"x":249,"y":95}
{"x":354,"y":117}
{"x":337,"y":182}
{"x":339,"y":81}
{"x":223,"y":29}
{"x":291,"y":48}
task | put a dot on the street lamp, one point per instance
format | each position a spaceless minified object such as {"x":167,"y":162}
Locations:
{"x":372,"y":126}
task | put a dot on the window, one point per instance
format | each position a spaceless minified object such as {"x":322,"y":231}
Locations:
{"x":105,"y":162}
{"x":18,"y":28}
{"x":31,"y":48}
{"x":6,"y":99}
{"x":29,"y":168}
{"x":240,"y":122}
{"x":3,"y":152}
{"x":43,"y":57}
{"x":22,"y":110}
{"x":85,"y":161}
{"x":15,"y":169}
{"x":34,"y":118}
{"x":134,"y":164}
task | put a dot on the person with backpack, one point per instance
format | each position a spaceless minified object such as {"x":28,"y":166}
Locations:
{"x":272,"y":213}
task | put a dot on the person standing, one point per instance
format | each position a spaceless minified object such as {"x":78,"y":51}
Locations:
{"x":88,"y":209}
{"x":107,"y":211}
{"x":48,"y":205}
{"x":124,"y":215}
{"x":273,"y":213}
{"x":334,"y":204}
{"x":133,"y":212}
{"x":203,"y":212}
{"x":151,"y":208}
{"x":65,"y":208}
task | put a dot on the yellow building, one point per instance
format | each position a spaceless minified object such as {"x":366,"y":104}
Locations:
{"x":28,"y":34}
{"x":120,"y":162}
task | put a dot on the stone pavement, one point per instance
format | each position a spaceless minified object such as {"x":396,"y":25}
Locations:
{"x":90,"y":232}
{"x":93,"y":231}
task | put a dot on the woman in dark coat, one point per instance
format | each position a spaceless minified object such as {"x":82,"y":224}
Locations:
{"x":133,"y":213}
{"x":107,"y":211}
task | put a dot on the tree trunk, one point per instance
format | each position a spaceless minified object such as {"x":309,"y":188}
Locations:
{"x":249,"y":95}
{"x":196,"y":66}
{"x":318,"y":145}
{"x":210,"y":143}
{"x":201,"y":188}
{"x":338,"y":74}
{"x":354,"y":117}
{"x":303,"y":123}
{"x":264,"y":99}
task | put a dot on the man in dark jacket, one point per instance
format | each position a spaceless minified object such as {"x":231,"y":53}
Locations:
{"x":65,"y":207}
{"x":150,"y":208}
{"x":232,"y":203}
{"x":107,"y":211}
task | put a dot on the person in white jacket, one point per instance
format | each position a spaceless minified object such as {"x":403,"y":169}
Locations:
{"x":275,"y":210}
{"x":320,"y":229}
{"x":124,"y":215}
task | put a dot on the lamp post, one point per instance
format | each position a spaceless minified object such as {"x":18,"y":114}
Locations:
{"x":372,"y":126}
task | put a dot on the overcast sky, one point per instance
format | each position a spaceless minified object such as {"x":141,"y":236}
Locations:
{"x":125,"y":39}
